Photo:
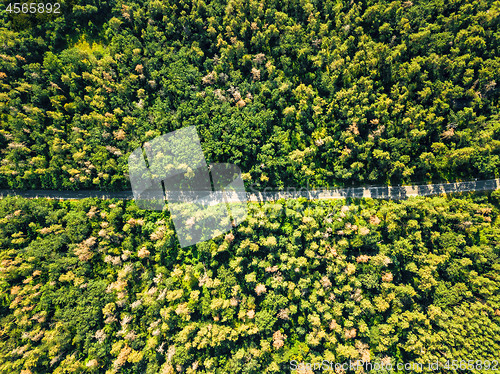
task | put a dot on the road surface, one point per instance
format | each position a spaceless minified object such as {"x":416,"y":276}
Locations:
{"x":384,"y":192}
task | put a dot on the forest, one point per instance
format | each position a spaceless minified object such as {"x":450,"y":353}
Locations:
{"x":101,"y":286}
{"x":316,"y":93}
{"x":329,"y":93}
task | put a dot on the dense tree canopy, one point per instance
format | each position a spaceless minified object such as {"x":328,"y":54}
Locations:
{"x":297,"y":92}
{"x":325,"y":92}
{"x":100,"y":286}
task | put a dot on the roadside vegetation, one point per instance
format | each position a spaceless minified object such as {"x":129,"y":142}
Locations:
{"x":296,"y":93}
{"x":326,"y":93}
{"x":100,"y":286}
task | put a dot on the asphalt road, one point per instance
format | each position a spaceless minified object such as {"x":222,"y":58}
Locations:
{"x":384,"y":192}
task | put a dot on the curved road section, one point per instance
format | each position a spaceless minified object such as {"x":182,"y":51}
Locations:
{"x":381,"y":192}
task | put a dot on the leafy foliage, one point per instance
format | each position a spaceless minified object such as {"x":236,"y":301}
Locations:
{"x":100,"y":286}
{"x":326,"y":93}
